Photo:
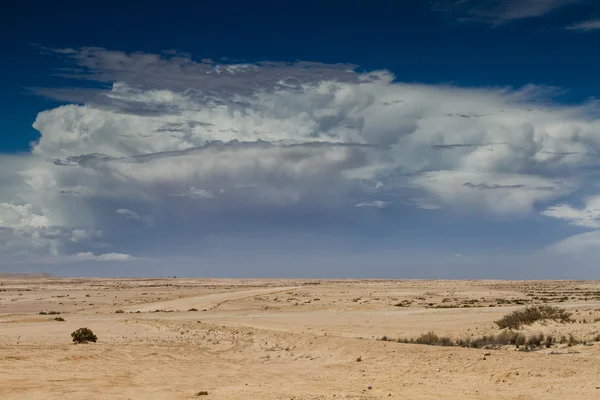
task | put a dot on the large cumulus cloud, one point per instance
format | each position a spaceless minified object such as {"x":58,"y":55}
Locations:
{"x":172,"y":147}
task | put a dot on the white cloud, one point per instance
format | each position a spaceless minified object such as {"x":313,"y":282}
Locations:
{"x":374,"y":203}
{"x":88,"y":256}
{"x":181,"y":145}
{"x":25,"y":232}
{"x":588,"y":216}
{"x":585,"y":26}
{"x":80,"y":235}
{"x":21,"y":217}
{"x":500,"y":193}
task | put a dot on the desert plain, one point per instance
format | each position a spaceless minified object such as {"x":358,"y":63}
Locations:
{"x":290,"y":339}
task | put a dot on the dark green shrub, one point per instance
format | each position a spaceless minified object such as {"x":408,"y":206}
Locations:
{"x":83,"y":335}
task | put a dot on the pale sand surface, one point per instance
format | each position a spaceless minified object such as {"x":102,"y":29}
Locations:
{"x":286,"y":339}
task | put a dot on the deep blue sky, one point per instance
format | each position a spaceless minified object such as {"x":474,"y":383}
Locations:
{"x":410,"y":38}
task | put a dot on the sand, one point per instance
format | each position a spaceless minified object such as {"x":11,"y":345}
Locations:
{"x":287,"y":339}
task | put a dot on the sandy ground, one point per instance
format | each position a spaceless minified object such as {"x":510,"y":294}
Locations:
{"x":287,"y":339}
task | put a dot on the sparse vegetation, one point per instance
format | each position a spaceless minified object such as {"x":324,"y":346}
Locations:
{"x":572,"y":340}
{"x":193,"y":309}
{"x":532,"y":314}
{"x":119,"y":312}
{"x":504,"y":338}
{"x":431,"y":339}
{"x":83,"y":335}
{"x":59,"y":319}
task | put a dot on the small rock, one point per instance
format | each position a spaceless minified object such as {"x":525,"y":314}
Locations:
{"x":202,"y":393}
{"x":358,"y":359}
{"x":370,"y":387}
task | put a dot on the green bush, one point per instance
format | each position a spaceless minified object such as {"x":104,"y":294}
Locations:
{"x":83,"y":335}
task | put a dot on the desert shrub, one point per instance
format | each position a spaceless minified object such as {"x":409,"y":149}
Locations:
{"x":529,"y":315}
{"x":510,"y":337}
{"x":119,"y":312}
{"x":83,"y":335}
{"x":43,"y":313}
{"x":504,"y":338}
{"x":478,"y":343}
{"x":59,"y":319}
{"x":431,"y":339}
{"x":520,"y":341}
{"x":535,"y":340}
{"x":572,"y":340}
{"x":193,"y":309}
{"x":493,"y":341}
{"x":563,"y":339}
{"x":53,"y":313}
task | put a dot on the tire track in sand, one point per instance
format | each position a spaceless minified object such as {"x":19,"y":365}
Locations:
{"x":209,"y":301}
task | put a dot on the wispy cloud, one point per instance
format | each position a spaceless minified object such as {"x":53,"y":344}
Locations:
{"x":498,"y":12}
{"x":585,"y":26}
{"x":374,"y":203}
{"x":102,"y":257}
{"x":145,"y":219}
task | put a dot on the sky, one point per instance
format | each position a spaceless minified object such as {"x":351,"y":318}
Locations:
{"x":450,"y":139}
